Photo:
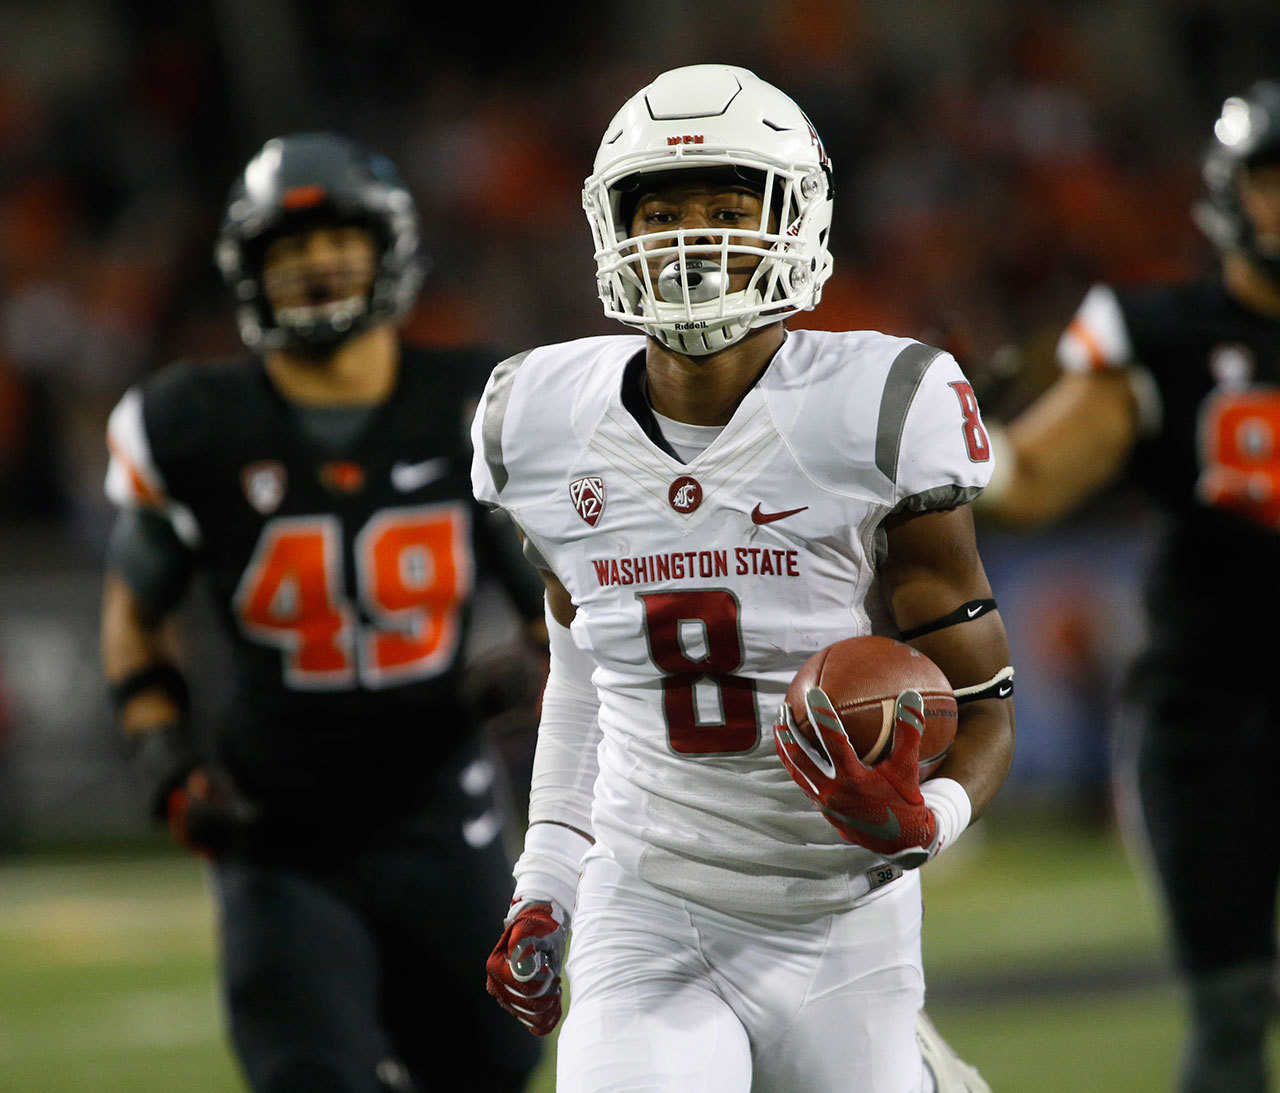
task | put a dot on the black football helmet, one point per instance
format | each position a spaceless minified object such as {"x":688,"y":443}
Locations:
{"x":1246,"y":134}
{"x":305,"y":179}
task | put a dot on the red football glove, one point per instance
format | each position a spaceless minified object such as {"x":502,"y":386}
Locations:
{"x":524,"y":967}
{"x":879,"y":807}
{"x":206,"y":813}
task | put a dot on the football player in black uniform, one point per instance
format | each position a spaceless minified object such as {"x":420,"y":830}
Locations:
{"x":1180,"y":384}
{"x":346,"y":803}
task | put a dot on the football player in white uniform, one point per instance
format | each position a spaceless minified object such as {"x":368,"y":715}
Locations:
{"x":710,"y":501}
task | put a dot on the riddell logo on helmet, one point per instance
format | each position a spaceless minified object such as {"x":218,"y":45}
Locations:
{"x":698,"y":325}
{"x":688,"y":139}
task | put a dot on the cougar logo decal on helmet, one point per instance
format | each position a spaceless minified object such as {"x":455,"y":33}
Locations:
{"x":742,"y":124}
{"x":305,"y":179}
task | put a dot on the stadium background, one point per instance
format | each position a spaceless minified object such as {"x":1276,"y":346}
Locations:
{"x":992,"y":159}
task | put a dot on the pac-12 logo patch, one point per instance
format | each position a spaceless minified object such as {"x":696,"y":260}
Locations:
{"x":263,"y":483}
{"x":685,"y":494}
{"x":587,"y":495}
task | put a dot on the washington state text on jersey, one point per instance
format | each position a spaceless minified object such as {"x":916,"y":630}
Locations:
{"x":695,"y":564}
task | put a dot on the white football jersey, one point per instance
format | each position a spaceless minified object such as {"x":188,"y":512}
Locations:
{"x":702,"y":587}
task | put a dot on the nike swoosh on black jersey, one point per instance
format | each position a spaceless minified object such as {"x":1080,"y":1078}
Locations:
{"x":407,"y":477}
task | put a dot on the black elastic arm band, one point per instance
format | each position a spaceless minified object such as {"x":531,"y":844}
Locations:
{"x":999,"y":685}
{"x":966,"y":612}
{"x":161,"y":676}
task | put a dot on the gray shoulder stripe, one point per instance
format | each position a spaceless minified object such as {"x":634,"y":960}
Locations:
{"x":904,"y":377}
{"x":533,"y":556}
{"x":495,"y":413}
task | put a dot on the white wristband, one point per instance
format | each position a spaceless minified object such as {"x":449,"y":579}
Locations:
{"x":549,"y":866}
{"x":951,"y":808}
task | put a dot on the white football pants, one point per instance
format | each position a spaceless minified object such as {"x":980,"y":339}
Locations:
{"x":668,"y":995}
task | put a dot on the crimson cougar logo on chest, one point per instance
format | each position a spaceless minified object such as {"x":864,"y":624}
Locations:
{"x":685,"y":494}
{"x":587,"y":495}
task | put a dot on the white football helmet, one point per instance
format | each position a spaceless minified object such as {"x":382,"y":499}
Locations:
{"x":705,"y":117}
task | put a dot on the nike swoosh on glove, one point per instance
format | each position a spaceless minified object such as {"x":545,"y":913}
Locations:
{"x":878,"y":807}
{"x":524,"y":967}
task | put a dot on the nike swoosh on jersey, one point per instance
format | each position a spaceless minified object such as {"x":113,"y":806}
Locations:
{"x":407,"y":477}
{"x":759,"y":517}
{"x":889,"y":829}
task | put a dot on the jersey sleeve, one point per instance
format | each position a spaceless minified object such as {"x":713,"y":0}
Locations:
{"x":488,"y":465}
{"x":1097,"y":338}
{"x":943,"y":454}
{"x":1102,"y":337}
{"x":134,"y":478}
{"x":482,"y":484}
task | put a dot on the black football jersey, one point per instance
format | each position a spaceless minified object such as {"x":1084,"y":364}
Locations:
{"x":343,"y":574}
{"x":1210,"y":460}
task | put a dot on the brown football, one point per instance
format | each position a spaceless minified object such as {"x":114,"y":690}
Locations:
{"x":863,"y":678}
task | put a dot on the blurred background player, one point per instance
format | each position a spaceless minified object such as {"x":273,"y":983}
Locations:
{"x":1179,"y":385}
{"x":347,"y":800}
{"x":712,"y":499}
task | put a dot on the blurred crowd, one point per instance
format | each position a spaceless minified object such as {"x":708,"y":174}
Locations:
{"x":992,"y":158}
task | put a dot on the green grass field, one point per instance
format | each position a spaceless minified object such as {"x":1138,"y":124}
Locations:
{"x":1042,"y":951}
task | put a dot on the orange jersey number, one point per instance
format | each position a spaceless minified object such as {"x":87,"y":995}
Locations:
{"x":413,"y":572}
{"x":1240,"y":454}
